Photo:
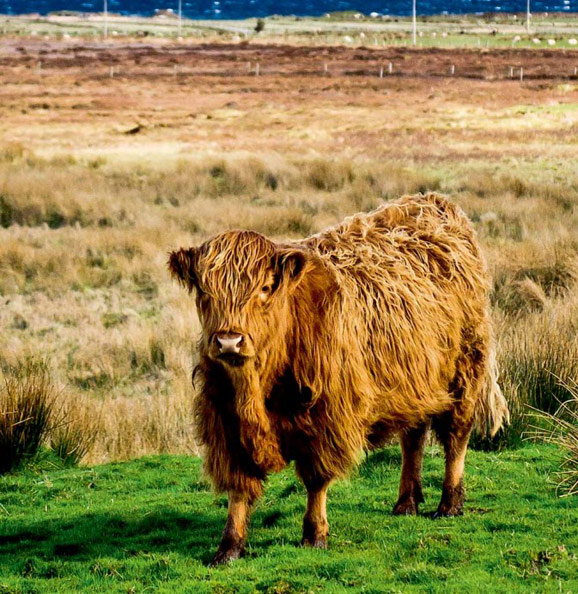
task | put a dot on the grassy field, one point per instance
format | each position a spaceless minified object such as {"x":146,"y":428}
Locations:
{"x":152,"y":525}
{"x":488,"y":31}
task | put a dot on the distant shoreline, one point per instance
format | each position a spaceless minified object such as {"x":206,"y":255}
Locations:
{"x":346,"y":16}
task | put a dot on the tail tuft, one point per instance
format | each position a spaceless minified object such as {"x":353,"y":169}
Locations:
{"x":491,"y":409}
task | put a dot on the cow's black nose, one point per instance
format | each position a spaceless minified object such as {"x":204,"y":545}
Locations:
{"x":229,"y":342}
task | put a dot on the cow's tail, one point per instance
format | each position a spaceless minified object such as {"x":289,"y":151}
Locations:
{"x":491,"y":411}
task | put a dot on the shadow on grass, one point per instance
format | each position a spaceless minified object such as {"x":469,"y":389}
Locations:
{"x":88,"y":536}
{"x":389,"y":456}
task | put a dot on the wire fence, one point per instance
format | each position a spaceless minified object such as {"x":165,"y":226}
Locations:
{"x":221,"y":60}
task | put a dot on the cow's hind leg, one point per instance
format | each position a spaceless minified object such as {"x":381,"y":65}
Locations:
{"x":315,"y":525}
{"x":410,"y":491}
{"x":233,"y":540}
{"x":454,"y":436}
{"x":454,"y":427}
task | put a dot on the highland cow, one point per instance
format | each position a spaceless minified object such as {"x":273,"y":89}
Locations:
{"x":315,"y":350}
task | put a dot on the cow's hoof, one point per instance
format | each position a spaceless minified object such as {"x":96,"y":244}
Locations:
{"x":314,"y":534}
{"x":407,"y":507}
{"x":451,"y":503}
{"x":448,"y":511}
{"x":227,"y":555}
{"x":319,"y":542}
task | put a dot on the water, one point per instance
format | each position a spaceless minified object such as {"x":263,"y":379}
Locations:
{"x":240,"y":9}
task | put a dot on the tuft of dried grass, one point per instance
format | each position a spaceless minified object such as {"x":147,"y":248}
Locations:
{"x":74,"y":434}
{"x":537,"y":356}
{"x":519,"y":289}
{"x":561,"y":429}
{"x":519,"y":296}
{"x":531,"y":294}
{"x":27,"y":412}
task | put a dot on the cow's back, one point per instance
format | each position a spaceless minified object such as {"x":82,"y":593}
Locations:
{"x":412,"y":286}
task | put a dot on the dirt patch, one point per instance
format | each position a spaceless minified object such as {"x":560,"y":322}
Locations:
{"x":140,"y":59}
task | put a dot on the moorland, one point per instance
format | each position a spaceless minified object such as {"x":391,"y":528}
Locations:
{"x":113,"y":152}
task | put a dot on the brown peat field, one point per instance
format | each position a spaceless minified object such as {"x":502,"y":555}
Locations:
{"x":113,"y":152}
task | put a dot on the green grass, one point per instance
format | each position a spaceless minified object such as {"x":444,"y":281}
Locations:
{"x":152,"y":525}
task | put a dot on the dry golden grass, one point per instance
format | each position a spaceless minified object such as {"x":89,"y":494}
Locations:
{"x":27,"y":404}
{"x":561,"y":428}
{"x":88,"y":214}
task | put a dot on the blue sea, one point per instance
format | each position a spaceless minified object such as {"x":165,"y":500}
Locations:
{"x":238,"y":9}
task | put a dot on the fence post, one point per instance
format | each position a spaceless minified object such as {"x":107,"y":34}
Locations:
{"x":390,"y":67}
{"x":257,"y":69}
{"x":521,"y":73}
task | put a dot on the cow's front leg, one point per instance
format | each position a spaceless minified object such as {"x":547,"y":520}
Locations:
{"x":233,"y":541}
{"x":315,"y":525}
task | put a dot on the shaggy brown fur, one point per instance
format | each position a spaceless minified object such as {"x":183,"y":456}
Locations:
{"x":376,"y":326}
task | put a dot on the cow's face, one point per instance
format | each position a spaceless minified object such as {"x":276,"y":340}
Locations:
{"x":242,"y":282}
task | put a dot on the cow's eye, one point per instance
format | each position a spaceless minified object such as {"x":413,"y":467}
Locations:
{"x":265,"y":292}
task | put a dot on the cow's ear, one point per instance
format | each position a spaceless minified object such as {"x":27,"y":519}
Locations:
{"x":291,"y":264}
{"x":182,"y":266}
